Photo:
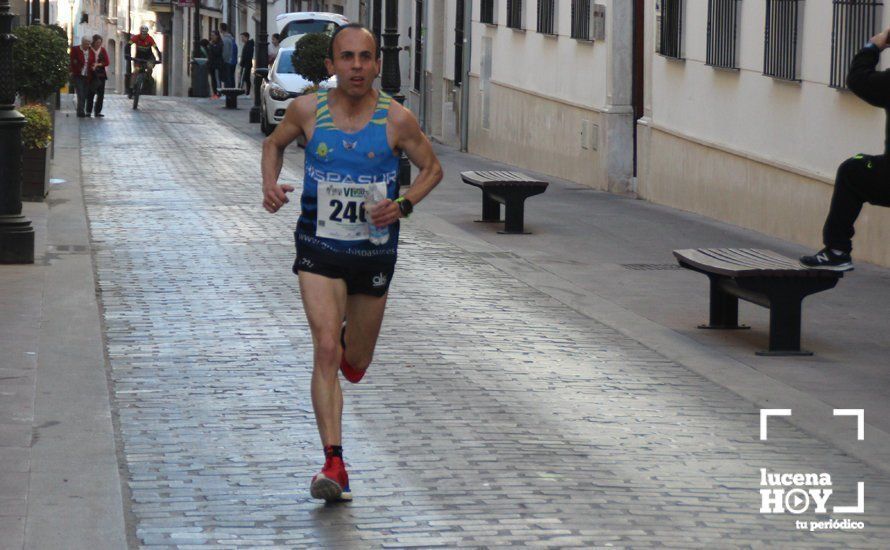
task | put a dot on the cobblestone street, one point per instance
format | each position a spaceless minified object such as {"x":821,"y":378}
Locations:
{"x":493,"y":414}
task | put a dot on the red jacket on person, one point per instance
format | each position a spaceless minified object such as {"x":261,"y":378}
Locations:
{"x":103,"y":61}
{"x":77,"y":61}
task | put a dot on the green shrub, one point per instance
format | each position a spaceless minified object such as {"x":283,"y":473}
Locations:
{"x":38,"y":129}
{"x":309,"y":55}
{"x":40,"y":58}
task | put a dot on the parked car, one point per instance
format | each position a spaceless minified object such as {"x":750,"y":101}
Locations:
{"x":280,"y":87}
{"x":304,"y":22}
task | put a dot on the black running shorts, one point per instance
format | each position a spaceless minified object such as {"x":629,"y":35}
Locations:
{"x":360,"y":279}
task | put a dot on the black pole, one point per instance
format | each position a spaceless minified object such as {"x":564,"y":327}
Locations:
{"x":262,"y":60}
{"x":391,"y":82}
{"x":16,"y":233}
{"x":196,"y":46}
{"x":35,"y":13}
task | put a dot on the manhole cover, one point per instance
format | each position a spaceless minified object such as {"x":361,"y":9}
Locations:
{"x":651,"y":267}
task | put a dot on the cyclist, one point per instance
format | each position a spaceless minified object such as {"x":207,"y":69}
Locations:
{"x":146,"y":47}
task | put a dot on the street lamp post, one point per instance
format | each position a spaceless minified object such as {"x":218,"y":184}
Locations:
{"x":262,"y":60}
{"x":391,"y":82}
{"x":16,"y":232}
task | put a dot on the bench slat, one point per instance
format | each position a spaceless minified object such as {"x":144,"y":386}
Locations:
{"x":747,"y":262}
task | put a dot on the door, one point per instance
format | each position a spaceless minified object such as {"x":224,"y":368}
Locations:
{"x":638,"y":68}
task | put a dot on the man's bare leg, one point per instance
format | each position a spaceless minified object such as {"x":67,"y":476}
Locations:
{"x":364,"y":316}
{"x":324,"y":301}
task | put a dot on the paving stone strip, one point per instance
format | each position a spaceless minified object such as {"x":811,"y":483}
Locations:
{"x":493,"y":415}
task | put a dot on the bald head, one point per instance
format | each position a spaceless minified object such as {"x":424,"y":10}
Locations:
{"x":353,"y":28}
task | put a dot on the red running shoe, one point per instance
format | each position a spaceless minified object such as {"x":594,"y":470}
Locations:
{"x":351,"y":373}
{"x":332,"y":482}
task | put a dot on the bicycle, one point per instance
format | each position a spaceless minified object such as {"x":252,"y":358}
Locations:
{"x":147,"y":65}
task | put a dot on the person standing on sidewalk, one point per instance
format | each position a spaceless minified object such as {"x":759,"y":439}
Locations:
{"x":98,"y":61}
{"x":246,"y":61}
{"x":354,"y":136}
{"x":215,"y":62}
{"x":79,"y":68}
{"x":230,"y":56}
{"x":863,"y":178}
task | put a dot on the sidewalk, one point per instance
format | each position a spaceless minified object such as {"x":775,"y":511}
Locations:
{"x":527,"y":390}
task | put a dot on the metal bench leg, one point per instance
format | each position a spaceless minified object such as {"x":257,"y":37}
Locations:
{"x":784,"y":326}
{"x":491,"y":209}
{"x":724,"y":309}
{"x":231,"y":101}
{"x":514,"y":213}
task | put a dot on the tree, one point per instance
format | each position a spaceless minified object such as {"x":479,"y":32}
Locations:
{"x":308,"y":58}
{"x":40,"y":58}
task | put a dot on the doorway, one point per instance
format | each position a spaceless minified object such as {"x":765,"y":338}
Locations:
{"x":639,"y":18}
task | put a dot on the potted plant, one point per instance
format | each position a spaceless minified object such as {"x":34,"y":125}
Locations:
{"x":40,"y":58}
{"x":36,"y":137}
{"x":310,"y":51}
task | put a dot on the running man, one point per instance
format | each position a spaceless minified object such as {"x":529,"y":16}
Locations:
{"x":354,"y":136}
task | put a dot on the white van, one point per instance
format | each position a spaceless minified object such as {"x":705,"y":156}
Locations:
{"x":299,"y":23}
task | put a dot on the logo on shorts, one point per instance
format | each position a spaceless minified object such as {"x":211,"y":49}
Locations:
{"x":379,"y":280}
{"x":306,"y":262}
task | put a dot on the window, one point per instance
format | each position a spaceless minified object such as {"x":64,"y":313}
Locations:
{"x":853,"y":23}
{"x":723,"y":33}
{"x":670,"y":43}
{"x":459,"y":44}
{"x":488,"y":13}
{"x":581,"y":19}
{"x":418,"y":43}
{"x":514,"y":14}
{"x":547,"y":17}
{"x":781,"y":52}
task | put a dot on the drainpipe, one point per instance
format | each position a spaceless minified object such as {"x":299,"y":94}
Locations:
{"x":465,"y":89}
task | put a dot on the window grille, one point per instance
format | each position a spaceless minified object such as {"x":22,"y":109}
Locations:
{"x":671,"y":27}
{"x":547,"y":16}
{"x":781,"y":52}
{"x":487,"y":13}
{"x":581,"y":19}
{"x":459,"y":44}
{"x":723,"y":33}
{"x":514,"y":14}
{"x":853,"y":23}
{"x":418,"y":43}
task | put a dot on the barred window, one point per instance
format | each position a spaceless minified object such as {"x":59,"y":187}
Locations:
{"x":781,"y":52}
{"x":487,"y":15}
{"x":459,"y":44}
{"x":547,"y":17}
{"x":418,"y":43}
{"x":853,"y":23}
{"x":670,"y":42}
{"x":723,"y":33}
{"x":514,"y":14}
{"x":581,"y":19}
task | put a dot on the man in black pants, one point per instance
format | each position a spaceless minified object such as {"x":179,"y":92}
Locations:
{"x":863,"y":178}
{"x":246,"y":61}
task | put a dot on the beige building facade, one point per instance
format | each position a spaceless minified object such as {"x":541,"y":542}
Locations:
{"x":755,"y":150}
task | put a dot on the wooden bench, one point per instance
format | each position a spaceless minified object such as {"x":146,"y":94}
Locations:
{"x":761,"y":277}
{"x":507,"y":188}
{"x":231,"y":96}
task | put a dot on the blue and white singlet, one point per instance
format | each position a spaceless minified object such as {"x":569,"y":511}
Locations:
{"x":339,"y":169}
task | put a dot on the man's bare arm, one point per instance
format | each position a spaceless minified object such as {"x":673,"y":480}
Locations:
{"x":275,"y":195}
{"x":410,"y":139}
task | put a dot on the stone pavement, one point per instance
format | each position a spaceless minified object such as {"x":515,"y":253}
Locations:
{"x":497,"y":412}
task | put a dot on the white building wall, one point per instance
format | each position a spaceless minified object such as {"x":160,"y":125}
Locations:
{"x":558,"y":105}
{"x":749,"y":149}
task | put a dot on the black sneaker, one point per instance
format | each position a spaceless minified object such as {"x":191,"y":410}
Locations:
{"x":828,"y":260}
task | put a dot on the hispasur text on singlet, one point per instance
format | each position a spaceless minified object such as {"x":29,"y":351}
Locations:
{"x":340,"y":167}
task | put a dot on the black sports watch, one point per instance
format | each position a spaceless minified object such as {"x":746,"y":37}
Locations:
{"x":405,"y":206}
